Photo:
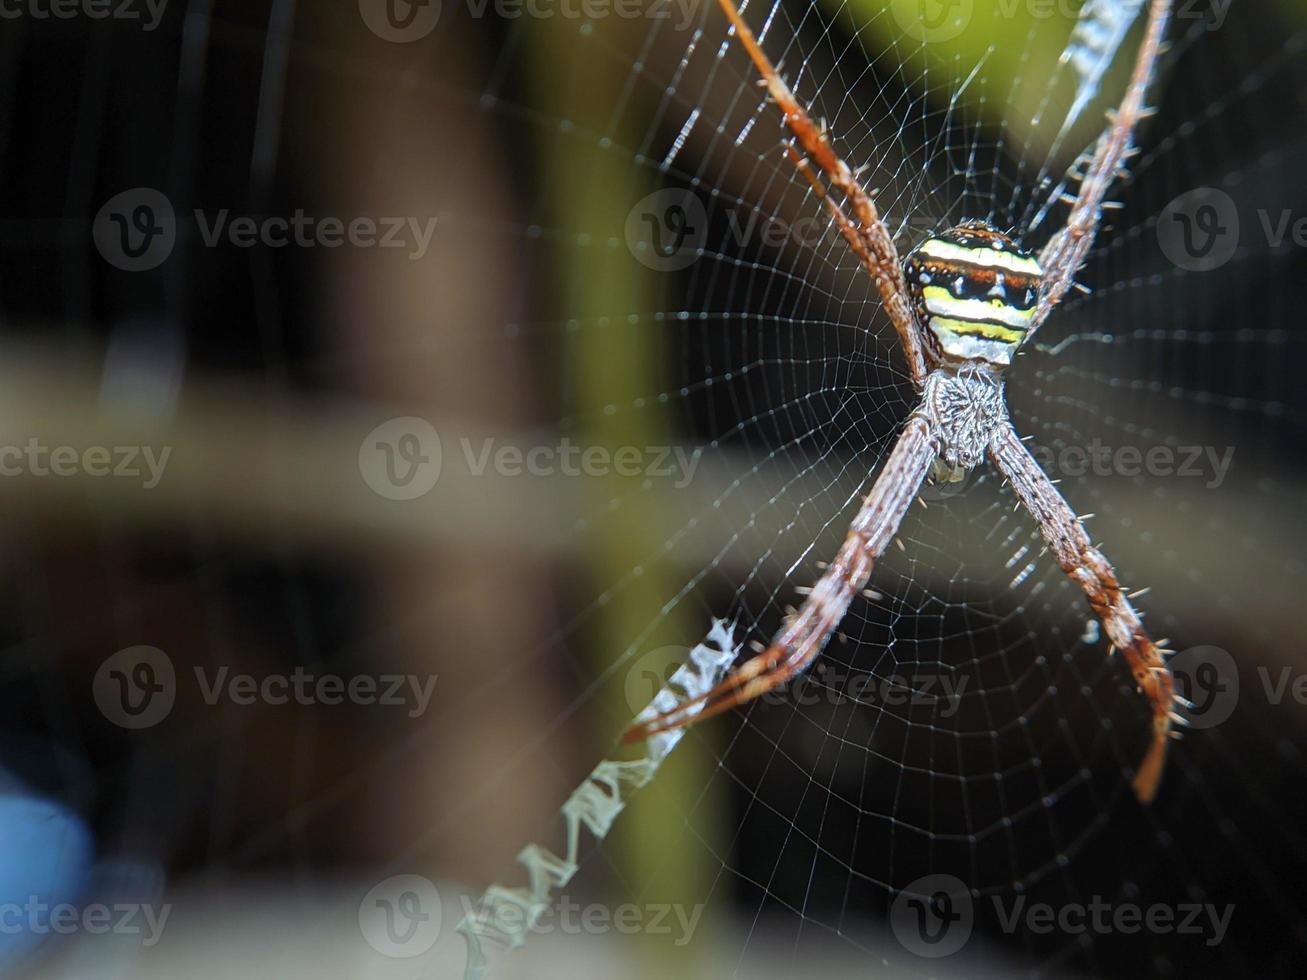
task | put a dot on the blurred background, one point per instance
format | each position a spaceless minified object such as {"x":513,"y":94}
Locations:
{"x":392,"y":394}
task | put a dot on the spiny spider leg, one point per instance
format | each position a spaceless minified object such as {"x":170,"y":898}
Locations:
{"x":1089,"y":569}
{"x":869,"y":237}
{"x":802,"y":638}
{"x":852,"y":235}
{"x":1065,"y":252}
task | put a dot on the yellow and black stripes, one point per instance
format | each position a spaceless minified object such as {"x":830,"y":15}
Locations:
{"x":975,"y":291}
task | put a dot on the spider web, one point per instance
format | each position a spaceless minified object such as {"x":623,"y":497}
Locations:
{"x":789,"y":377}
{"x":968,"y":721}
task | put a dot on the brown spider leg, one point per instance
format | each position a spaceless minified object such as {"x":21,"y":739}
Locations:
{"x":855,"y":239}
{"x":1089,"y":569}
{"x":1065,"y":252}
{"x":801,"y":639}
{"x":876,"y":251}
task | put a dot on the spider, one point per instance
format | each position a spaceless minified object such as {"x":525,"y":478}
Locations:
{"x":962,"y":303}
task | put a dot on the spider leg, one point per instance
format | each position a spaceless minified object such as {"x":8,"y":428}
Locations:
{"x":866,"y":234}
{"x":1089,"y":569}
{"x":801,"y":639}
{"x":1065,"y":252}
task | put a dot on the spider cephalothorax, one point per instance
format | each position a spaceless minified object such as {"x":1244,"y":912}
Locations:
{"x":974,"y":292}
{"x":965,"y":407}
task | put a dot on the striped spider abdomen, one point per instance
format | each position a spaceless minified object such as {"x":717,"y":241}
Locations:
{"x":975,"y":291}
